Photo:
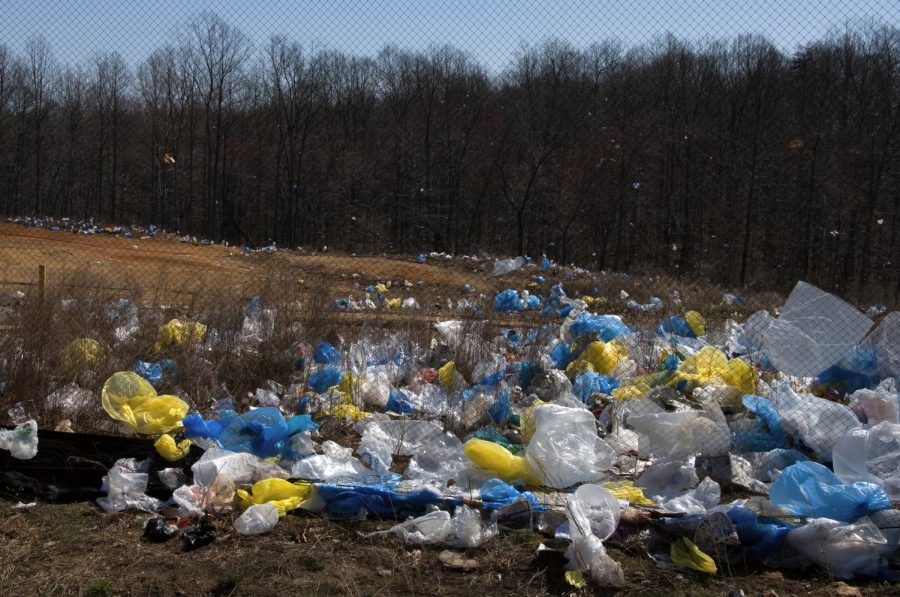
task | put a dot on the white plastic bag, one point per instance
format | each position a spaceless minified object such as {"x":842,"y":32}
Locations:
{"x":565,"y":448}
{"x":844,"y":550}
{"x":593,"y":515}
{"x":818,"y":422}
{"x":815,"y":329}
{"x":257,"y":519}
{"x":21,"y":442}
{"x":871,"y":455}
{"x":125,"y":485}
{"x":468,"y":530}
{"x":680,"y":435}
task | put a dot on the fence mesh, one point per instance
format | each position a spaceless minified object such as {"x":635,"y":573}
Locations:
{"x":365,"y":174}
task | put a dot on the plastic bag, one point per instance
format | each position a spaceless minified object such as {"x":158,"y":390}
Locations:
{"x":257,"y":519}
{"x":325,"y":468}
{"x":21,"y":442}
{"x":167,"y":448}
{"x":126,"y":484}
{"x":684,"y":553}
{"x":590,"y":383}
{"x":606,"y":327}
{"x":177,"y":332}
{"x":870,"y":455}
{"x":878,"y":405}
{"x":321,"y":380}
{"x":242,"y":468}
{"x":129,"y":398}
{"x":283,"y":495}
{"x":81,"y":353}
{"x":468,"y":530}
{"x":326,"y":354}
{"x":428,"y":529}
{"x":668,"y":476}
{"x":263,"y":432}
{"x":565,"y":448}
{"x":710,"y":365}
{"x":593,"y":515}
{"x":680,"y":435}
{"x":845,"y":550}
{"x":817,"y":422}
{"x":508,"y":301}
{"x":497,"y":459}
{"x":598,"y":356}
{"x":815,"y":329}
{"x":506,"y":266}
{"x":811,"y":490}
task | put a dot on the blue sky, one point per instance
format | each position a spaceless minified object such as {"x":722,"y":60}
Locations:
{"x":492,"y":30}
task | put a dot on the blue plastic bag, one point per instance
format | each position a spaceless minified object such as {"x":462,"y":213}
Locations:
{"x":499,"y":410}
{"x":591,"y":382}
{"x":398,"y":403}
{"x":326,"y":354}
{"x":561,"y":355}
{"x":508,"y":301}
{"x":767,"y":433}
{"x":262,"y":432}
{"x":762,"y":537}
{"x":351,"y":501}
{"x":606,"y":327}
{"x":496,"y":494}
{"x":811,"y":490}
{"x":152,"y":372}
{"x":325,"y":378}
{"x":677,"y":326}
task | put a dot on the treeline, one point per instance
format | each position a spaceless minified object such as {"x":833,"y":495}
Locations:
{"x":725,"y":159}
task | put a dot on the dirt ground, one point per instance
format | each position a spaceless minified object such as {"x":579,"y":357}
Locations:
{"x":77,"y":549}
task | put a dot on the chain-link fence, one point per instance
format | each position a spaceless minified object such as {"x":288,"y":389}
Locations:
{"x":320,"y":207}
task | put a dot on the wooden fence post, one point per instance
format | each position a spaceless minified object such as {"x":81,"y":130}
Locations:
{"x":42,"y":283}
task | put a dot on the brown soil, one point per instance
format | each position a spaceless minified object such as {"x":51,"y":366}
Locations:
{"x":77,"y":549}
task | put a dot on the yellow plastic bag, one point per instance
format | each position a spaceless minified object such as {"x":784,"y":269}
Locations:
{"x":632,"y":388}
{"x":81,"y":353}
{"x":347,"y":411}
{"x":349,"y":385}
{"x":710,"y":365}
{"x":526,"y":420}
{"x":445,"y":375}
{"x":177,"y":332}
{"x":696,"y":321}
{"x":625,"y":490}
{"x":684,"y":553}
{"x":597,"y":356}
{"x":284,"y":495}
{"x":497,"y":459}
{"x":392,"y":303}
{"x":167,"y":448}
{"x":130,"y":398}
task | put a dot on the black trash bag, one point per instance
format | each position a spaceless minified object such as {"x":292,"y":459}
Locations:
{"x":203,"y":534}
{"x":157,"y":530}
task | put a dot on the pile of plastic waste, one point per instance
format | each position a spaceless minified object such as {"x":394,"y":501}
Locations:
{"x":586,"y":430}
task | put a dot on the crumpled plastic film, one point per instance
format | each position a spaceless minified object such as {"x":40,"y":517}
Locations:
{"x":177,"y":332}
{"x":284,"y":495}
{"x":129,"y":398}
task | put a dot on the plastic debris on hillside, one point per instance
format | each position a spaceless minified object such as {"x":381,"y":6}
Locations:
{"x":506,"y":266}
{"x":257,"y":519}
{"x":81,"y":353}
{"x":811,"y":490}
{"x":21,"y":442}
{"x":872,"y":456}
{"x":814,"y":330}
{"x":177,"y":333}
{"x":129,"y":398}
{"x":126,"y":486}
{"x":565,"y":448}
{"x":655,"y":304}
{"x":263,"y":432}
{"x":845,"y":550}
{"x":283,"y":495}
{"x":508,"y":301}
{"x":593,"y":515}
